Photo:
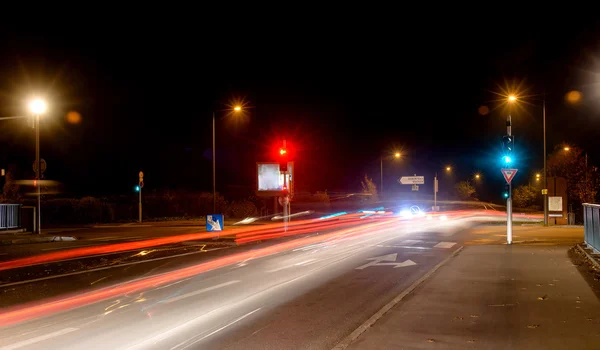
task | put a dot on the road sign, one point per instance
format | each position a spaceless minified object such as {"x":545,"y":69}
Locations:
{"x":43,"y":163}
{"x":509,"y":174}
{"x":412,"y":180}
{"x":389,"y":261}
{"x":214,"y":222}
{"x":415,"y":187}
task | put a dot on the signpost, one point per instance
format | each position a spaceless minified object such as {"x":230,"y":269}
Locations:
{"x":412,"y":180}
{"x":141,"y":174}
{"x":509,"y":174}
{"x":214,"y":223}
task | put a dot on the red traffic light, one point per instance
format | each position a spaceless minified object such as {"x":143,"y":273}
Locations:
{"x":282,"y":152}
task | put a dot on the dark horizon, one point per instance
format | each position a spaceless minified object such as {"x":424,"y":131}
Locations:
{"x":148,"y":106}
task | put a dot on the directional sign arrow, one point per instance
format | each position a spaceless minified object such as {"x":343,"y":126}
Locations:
{"x":379,"y":261}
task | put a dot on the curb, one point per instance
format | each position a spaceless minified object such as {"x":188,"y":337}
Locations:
{"x":591,"y":258}
{"x":37,"y":240}
{"x":387,"y":307}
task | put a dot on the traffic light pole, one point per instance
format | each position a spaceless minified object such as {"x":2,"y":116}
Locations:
{"x":509,"y":199}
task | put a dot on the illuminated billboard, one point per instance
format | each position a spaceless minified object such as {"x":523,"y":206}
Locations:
{"x":270,"y":179}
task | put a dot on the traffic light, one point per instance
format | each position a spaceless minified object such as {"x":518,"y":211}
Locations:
{"x":508,"y":144}
{"x":507,"y":159}
{"x":137,"y":188}
{"x":506,"y":192}
{"x":283,"y":159}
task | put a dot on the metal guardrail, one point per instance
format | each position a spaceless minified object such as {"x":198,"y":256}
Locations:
{"x":10,"y":216}
{"x":591,"y":226}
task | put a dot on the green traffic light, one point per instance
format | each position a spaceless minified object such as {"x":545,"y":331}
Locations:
{"x":505,"y":195}
{"x":137,"y":188}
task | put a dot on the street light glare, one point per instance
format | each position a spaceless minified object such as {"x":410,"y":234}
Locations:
{"x":567,"y":149}
{"x":512,"y":98}
{"x":477,"y":176}
{"x":237,"y":108}
{"x":37,"y":106}
{"x":397,"y":155}
{"x":448,"y":168}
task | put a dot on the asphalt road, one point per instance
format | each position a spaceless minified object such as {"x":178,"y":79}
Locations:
{"x":305,"y":293}
{"x":87,"y":237}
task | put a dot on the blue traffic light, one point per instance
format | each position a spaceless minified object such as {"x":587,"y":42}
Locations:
{"x":507,"y":159}
{"x":137,"y":188}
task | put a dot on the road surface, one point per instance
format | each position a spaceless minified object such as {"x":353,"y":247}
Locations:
{"x":303,"y":293}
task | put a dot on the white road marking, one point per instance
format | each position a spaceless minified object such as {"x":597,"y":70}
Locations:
{"x":444,"y":245}
{"x":38,"y":339}
{"x":217,"y":330}
{"x":103,"y":238}
{"x":390,"y":258}
{"x":204,"y":290}
{"x":402,"y":246}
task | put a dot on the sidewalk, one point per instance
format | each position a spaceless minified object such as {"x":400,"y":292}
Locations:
{"x":494,"y":297}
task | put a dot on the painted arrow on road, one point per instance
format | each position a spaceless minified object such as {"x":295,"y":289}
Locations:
{"x":379,"y":261}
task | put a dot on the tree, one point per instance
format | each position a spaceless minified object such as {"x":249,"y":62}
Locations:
{"x":11,"y":189}
{"x":524,"y":196}
{"x":583,"y":181}
{"x":370,"y":189}
{"x":465,"y":190}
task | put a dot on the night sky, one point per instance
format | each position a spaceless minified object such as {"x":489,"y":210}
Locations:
{"x":341,"y":95}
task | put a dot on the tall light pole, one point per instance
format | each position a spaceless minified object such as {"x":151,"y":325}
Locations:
{"x":236,"y":109}
{"x":507,"y":159}
{"x":397,"y":155}
{"x":38,"y":107}
{"x":545,"y":190}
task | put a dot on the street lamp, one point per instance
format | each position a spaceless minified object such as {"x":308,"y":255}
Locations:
{"x":236,"y":109}
{"x":38,"y":107}
{"x":566,"y":149}
{"x":448,"y":168}
{"x":397,"y":155}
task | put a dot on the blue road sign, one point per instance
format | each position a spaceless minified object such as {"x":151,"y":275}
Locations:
{"x":214,"y":222}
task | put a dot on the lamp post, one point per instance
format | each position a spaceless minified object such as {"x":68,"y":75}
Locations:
{"x":397,"y":155}
{"x":38,"y":107}
{"x":235,"y":109}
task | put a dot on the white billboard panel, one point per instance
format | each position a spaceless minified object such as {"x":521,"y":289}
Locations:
{"x":270,"y":179}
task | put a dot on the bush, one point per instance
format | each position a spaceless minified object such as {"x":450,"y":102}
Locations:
{"x":241,"y":209}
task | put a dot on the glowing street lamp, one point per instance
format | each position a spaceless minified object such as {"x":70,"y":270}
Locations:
{"x":566,"y":149}
{"x":512,"y":98}
{"x":397,"y":155}
{"x":448,"y":168}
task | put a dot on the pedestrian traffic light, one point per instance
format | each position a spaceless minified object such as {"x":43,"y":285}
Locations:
{"x":137,"y":188}
{"x":283,"y":159}
{"x":506,"y":191}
